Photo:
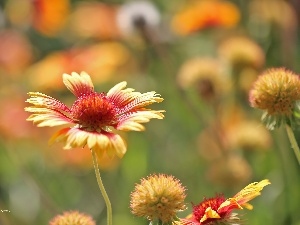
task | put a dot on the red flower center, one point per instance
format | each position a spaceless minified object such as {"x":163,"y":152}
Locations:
{"x":94,"y":112}
{"x":214,"y":203}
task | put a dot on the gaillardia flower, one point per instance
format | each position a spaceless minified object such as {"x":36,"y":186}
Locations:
{"x":218,"y":210}
{"x":72,"y":218}
{"x":158,"y":197}
{"x":277,"y":92}
{"x":94,"y":114}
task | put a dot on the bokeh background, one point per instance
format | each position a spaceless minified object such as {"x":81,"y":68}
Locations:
{"x":202,"y":56}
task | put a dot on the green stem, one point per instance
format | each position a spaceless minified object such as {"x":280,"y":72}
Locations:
{"x":102,"y":189}
{"x":293,"y":141}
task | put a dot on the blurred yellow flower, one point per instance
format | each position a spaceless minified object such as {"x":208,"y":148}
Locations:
{"x":94,"y":19}
{"x":203,"y":14}
{"x":158,"y":197}
{"x":249,"y":135}
{"x":240,"y":51}
{"x":94,"y":114}
{"x":206,"y":75}
{"x":219,"y":210}
{"x":281,"y":13}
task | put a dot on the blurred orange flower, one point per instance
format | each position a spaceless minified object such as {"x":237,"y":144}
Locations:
{"x":103,"y":60}
{"x":12,"y":112}
{"x":49,"y":17}
{"x":94,"y":19}
{"x":230,"y":171}
{"x":203,"y":14}
{"x":15,"y":52}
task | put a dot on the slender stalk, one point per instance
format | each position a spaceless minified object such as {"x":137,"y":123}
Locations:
{"x":102,"y":189}
{"x":293,"y":141}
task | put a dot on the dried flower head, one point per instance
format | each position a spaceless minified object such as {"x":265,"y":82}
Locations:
{"x":72,"y":218}
{"x":218,"y":210}
{"x":158,"y":197}
{"x":94,"y":114}
{"x":277,"y":92}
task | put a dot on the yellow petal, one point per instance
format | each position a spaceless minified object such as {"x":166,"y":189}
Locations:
{"x":251,"y":191}
{"x":210,"y":214}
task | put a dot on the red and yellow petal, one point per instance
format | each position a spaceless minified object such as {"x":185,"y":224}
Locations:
{"x":117,"y":145}
{"x":138,"y":100}
{"x":78,"y":84}
{"x":132,"y":121}
{"x":210,"y":214}
{"x":186,"y":221}
{"x":47,"y":117}
{"x":251,"y":191}
{"x":241,"y":198}
{"x":40,"y":100}
{"x":104,"y":142}
{"x":116,"y":91}
{"x":127,"y":99}
{"x":59,"y":136}
{"x":47,"y":111}
{"x":229,"y":205}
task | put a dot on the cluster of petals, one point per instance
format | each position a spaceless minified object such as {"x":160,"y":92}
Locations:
{"x":94,"y":115}
{"x":219,"y":209}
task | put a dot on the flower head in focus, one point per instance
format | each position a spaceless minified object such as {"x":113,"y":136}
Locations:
{"x":158,"y":197}
{"x":218,"y":210}
{"x":72,"y":218}
{"x":94,"y":114}
{"x":277,"y":92}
